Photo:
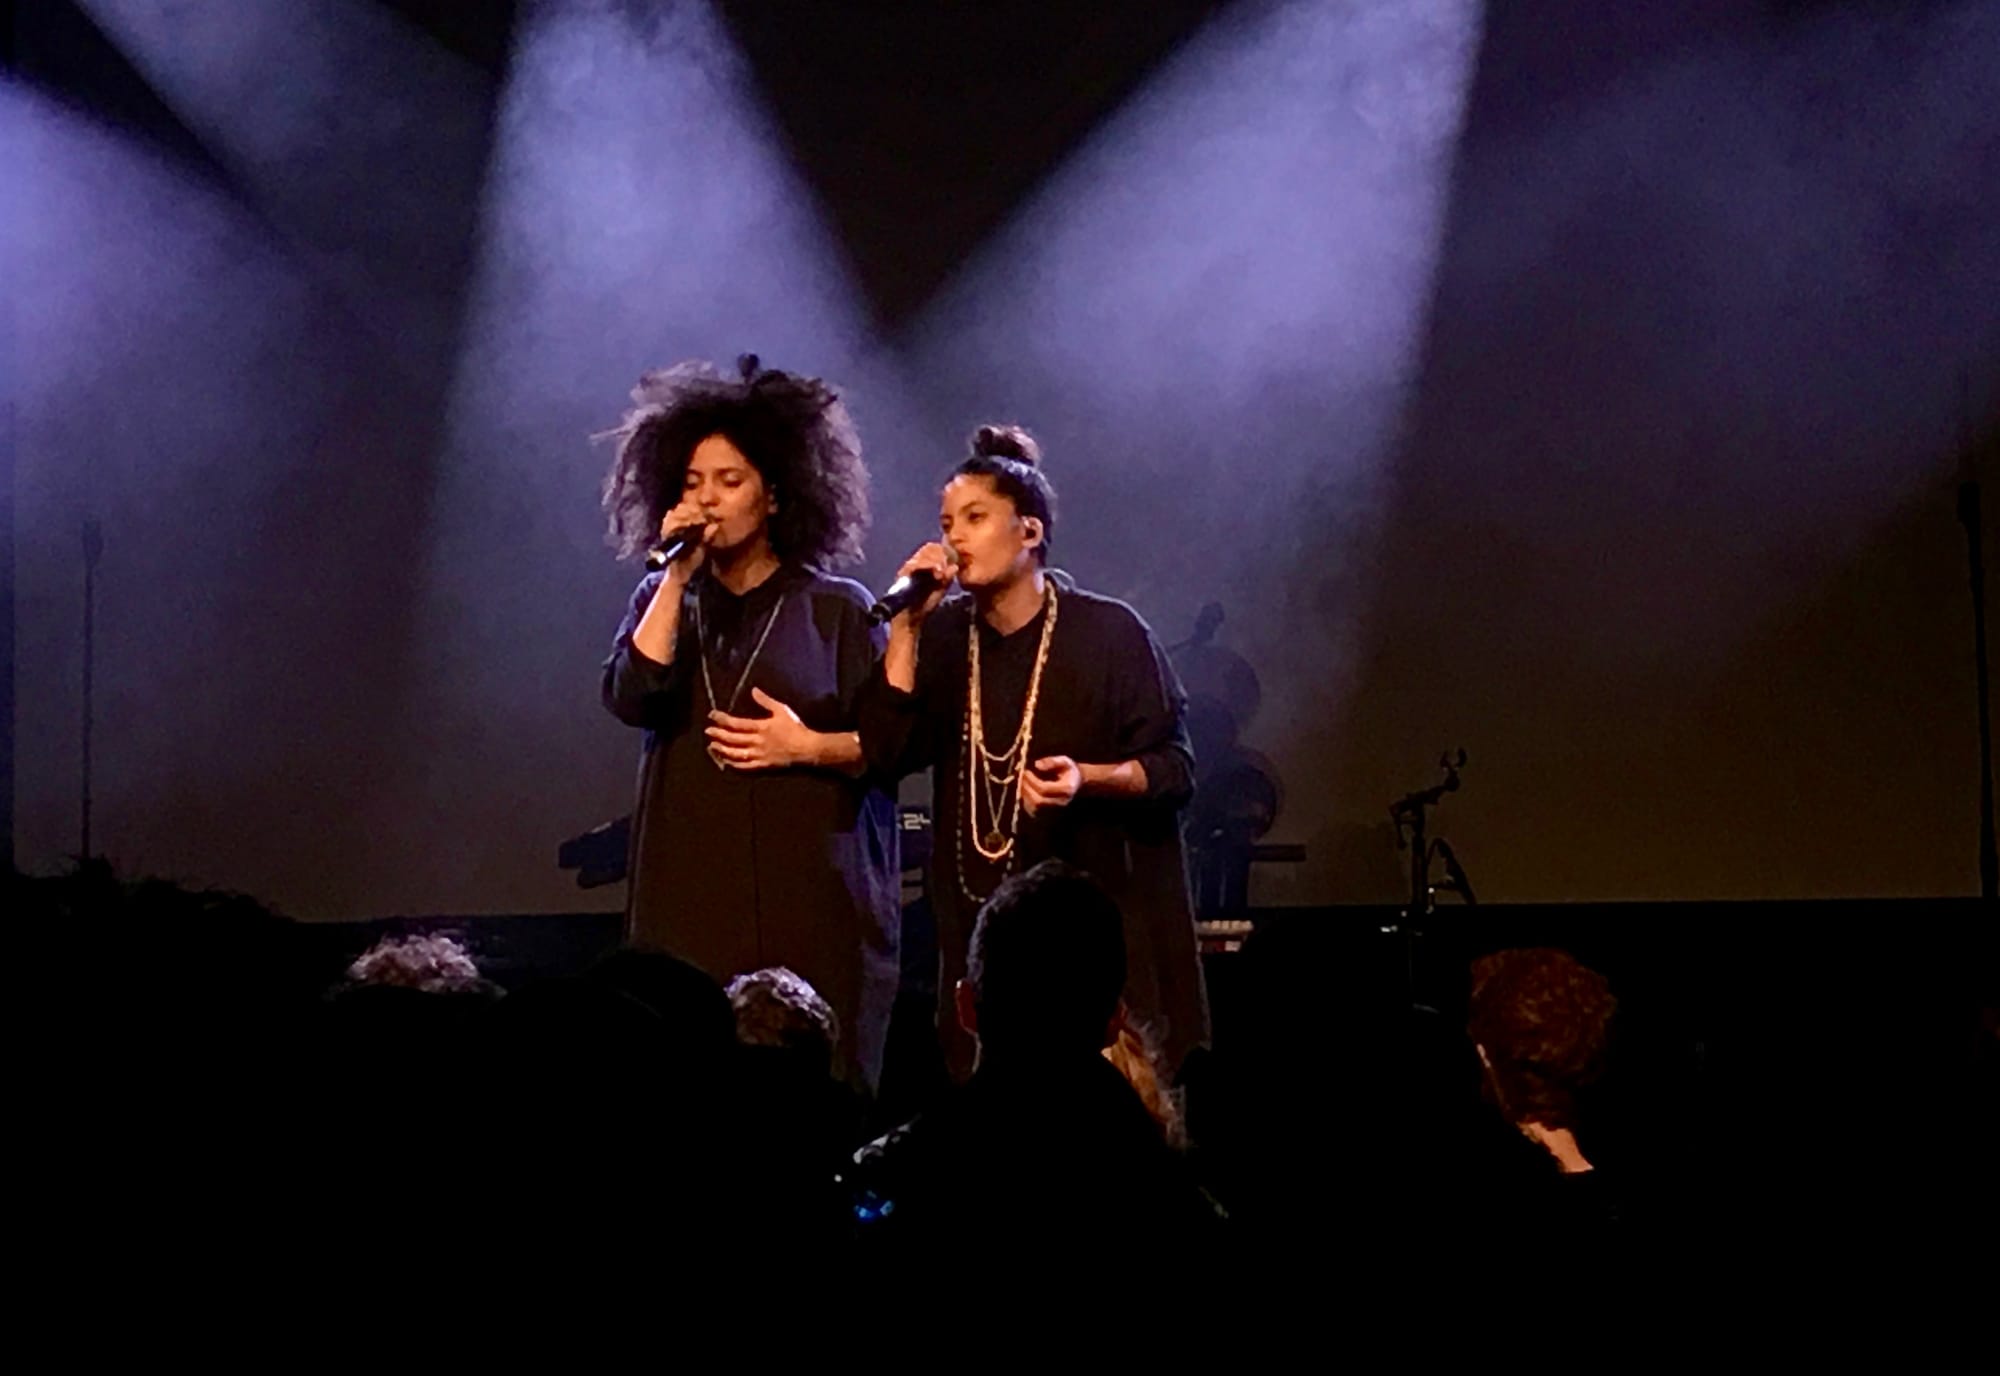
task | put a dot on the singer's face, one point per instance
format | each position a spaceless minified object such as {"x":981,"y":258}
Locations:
{"x":984,"y":530}
{"x":729,"y":490}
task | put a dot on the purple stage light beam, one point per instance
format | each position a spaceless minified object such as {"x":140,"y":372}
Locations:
{"x":640,"y":209}
{"x":175,"y":381}
{"x":1214,"y":314}
{"x":360,"y":140}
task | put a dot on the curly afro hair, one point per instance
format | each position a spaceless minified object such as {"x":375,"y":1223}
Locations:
{"x":1544,"y":1018}
{"x":778,"y":1007}
{"x":794,"y":430}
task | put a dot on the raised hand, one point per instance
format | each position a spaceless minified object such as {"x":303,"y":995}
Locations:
{"x":688,"y":513}
{"x":937,"y":561}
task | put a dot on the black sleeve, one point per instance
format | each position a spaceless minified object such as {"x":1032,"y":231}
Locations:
{"x":860,"y":679}
{"x":1152,"y":717}
{"x":637,"y":690}
{"x":896,"y":727}
{"x":861,"y":647}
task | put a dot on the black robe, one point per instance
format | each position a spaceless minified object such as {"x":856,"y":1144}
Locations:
{"x":738,"y":870}
{"x":1108,"y":694}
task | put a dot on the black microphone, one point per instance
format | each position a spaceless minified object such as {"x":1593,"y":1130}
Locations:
{"x":906,"y":592}
{"x":674,"y":544}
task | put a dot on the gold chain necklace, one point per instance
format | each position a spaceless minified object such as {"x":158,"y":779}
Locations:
{"x":990,"y":776}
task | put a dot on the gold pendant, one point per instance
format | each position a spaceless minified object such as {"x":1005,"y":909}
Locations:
{"x":994,"y":843}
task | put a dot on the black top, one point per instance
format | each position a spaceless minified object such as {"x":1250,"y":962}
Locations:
{"x":737,"y":870}
{"x":1108,"y":694}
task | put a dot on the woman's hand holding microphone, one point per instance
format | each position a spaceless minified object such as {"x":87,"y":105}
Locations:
{"x":941,"y":564}
{"x":899,"y":662}
{"x":687,"y":516}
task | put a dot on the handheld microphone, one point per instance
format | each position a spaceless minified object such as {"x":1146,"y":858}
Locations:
{"x":906,"y":592}
{"x":674,"y":544}
{"x":912,"y":589}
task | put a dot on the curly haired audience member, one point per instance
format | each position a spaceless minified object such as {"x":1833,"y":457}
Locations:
{"x":800,"y":1125}
{"x":430,"y":963}
{"x":1540,"y":1021}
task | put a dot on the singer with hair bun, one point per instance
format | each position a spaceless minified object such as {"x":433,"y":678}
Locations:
{"x":1052,"y":723}
{"x":758,"y":838}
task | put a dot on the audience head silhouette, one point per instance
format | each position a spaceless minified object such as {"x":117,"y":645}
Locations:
{"x":1046,"y":967}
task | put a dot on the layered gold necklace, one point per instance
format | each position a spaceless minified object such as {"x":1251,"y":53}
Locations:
{"x":990,"y":780}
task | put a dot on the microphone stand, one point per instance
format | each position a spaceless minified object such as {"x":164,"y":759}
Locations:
{"x":1411,"y":814}
{"x":93,"y":553}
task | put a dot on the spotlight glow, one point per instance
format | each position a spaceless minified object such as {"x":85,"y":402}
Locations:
{"x":1213,"y":314}
{"x":640,"y":209}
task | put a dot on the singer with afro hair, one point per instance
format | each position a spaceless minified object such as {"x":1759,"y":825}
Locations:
{"x":758,"y":839}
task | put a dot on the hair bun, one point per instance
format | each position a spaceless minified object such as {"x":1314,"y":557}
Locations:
{"x":1006,"y":442}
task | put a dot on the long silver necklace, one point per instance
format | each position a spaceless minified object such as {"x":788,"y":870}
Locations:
{"x":708,"y":683}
